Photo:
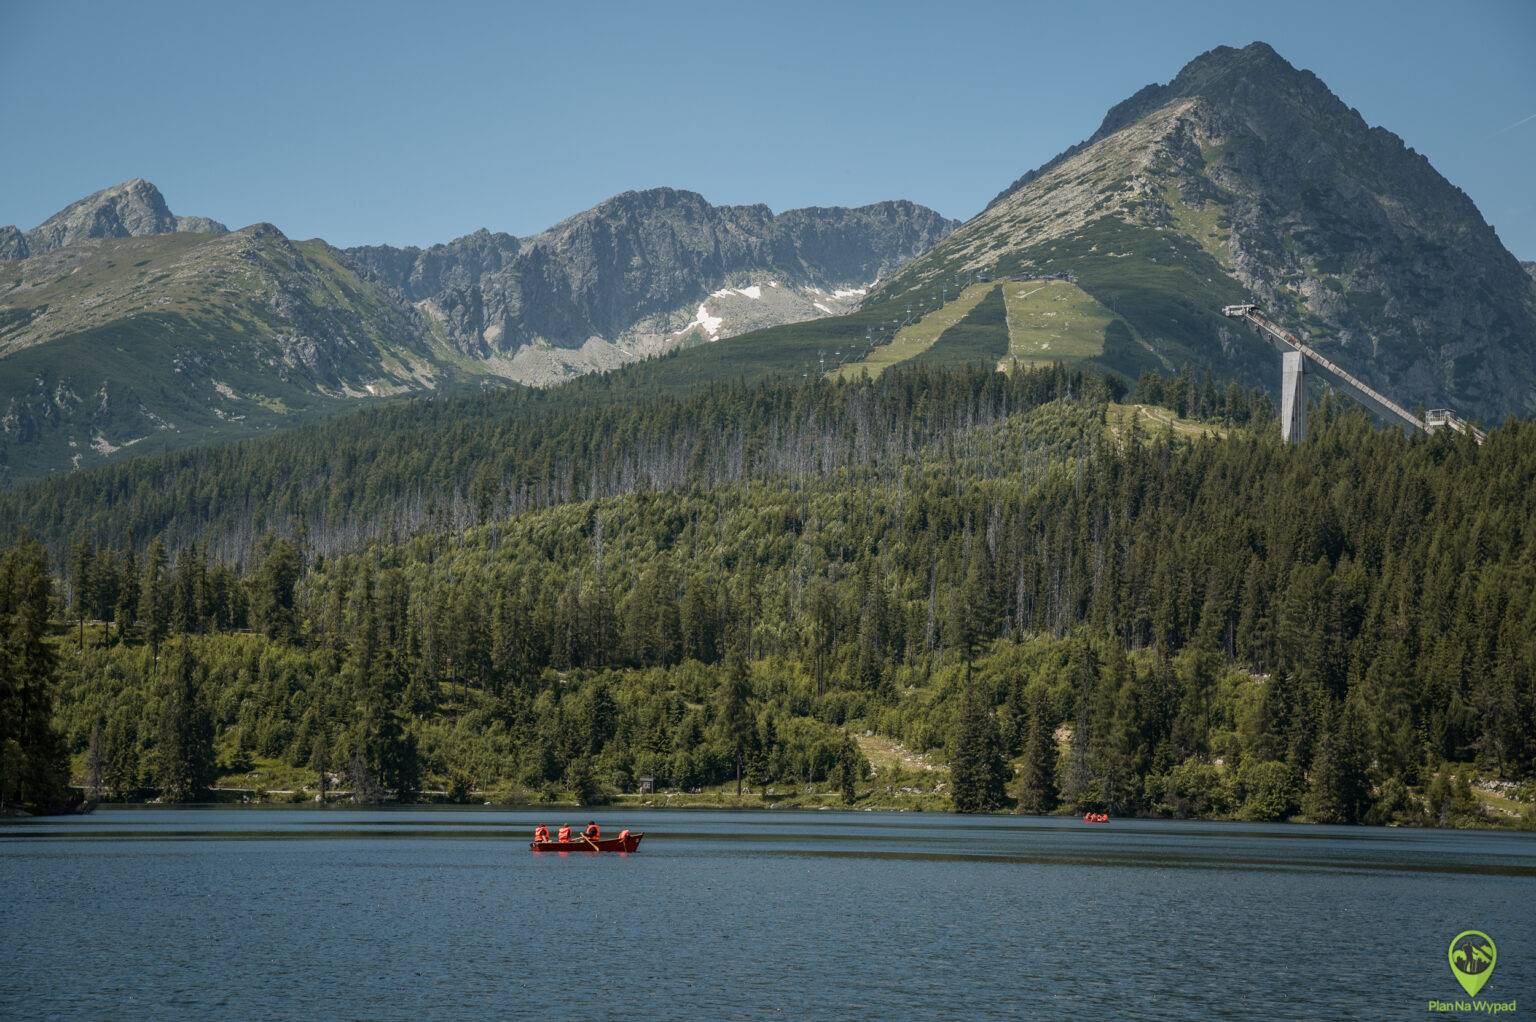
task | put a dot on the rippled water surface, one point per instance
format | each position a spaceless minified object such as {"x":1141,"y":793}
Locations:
{"x":418,"y":914}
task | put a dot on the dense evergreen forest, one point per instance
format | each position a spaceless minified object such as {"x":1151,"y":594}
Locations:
{"x":448,"y":463}
{"x":1069,"y":607}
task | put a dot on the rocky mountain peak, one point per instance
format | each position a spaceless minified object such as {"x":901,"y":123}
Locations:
{"x":668,"y":204}
{"x":13,"y":243}
{"x":1254,"y":85}
{"x":131,"y":209}
{"x":263,"y":230}
{"x":199,"y":225}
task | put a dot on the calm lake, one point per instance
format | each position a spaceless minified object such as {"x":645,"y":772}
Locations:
{"x":424,"y":914}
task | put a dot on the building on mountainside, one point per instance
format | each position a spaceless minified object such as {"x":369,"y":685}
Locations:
{"x":1023,"y":278}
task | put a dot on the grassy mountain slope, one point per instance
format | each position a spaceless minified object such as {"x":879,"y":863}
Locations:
{"x":1154,"y":296}
{"x":1091,"y":218}
{"x":912,"y":339}
{"x":1051,"y":320}
{"x":981,"y":338}
{"x":148,"y":343}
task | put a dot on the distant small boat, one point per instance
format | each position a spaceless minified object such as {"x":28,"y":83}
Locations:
{"x":626,"y":843}
{"x":1095,"y":817}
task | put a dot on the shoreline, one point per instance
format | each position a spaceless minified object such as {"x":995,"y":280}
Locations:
{"x":704,"y":806}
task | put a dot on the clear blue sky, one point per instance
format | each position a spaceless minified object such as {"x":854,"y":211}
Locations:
{"x":415,"y":123}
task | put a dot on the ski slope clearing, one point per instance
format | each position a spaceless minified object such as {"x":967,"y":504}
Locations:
{"x":916,"y":338}
{"x":1053,"y":321}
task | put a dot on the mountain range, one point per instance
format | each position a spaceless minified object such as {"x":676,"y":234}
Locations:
{"x":1243,"y":178}
{"x":124,"y":326}
{"x":647,"y":272}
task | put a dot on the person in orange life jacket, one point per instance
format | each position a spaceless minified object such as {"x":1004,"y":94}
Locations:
{"x":565,"y":832}
{"x":593,"y":831}
{"x":541,"y":833}
{"x":623,"y":836}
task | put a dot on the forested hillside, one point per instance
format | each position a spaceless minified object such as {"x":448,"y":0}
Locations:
{"x":968,"y":564}
{"x":456,"y":462}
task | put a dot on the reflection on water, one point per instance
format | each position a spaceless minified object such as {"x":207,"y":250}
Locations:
{"x":427,"y":913}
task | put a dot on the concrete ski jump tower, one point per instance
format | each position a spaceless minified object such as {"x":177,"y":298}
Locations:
{"x":1293,"y":397}
{"x":1294,"y":355}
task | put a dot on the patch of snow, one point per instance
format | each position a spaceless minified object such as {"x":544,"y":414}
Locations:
{"x":773,"y":283}
{"x":724,"y":292}
{"x":103,"y":445}
{"x":823,"y":308}
{"x":702,"y":318}
{"x":851,"y":292}
{"x":751,"y":292}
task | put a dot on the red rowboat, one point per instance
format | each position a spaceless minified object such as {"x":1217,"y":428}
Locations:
{"x":628,"y":843}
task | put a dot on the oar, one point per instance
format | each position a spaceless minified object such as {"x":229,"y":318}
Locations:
{"x":590,"y":842}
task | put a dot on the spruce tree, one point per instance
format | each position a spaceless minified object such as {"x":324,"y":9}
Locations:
{"x":1037,"y":779}
{"x":848,"y":770}
{"x":736,"y":721}
{"x":384,"y":753}
{"x":82,"y":563}
{"x":320,"y":758}
{"x":104,"y":588}
{"x":1078,"y":785}
{"x":272,"y":591}
{"x":978,"y":773}
{"x":34,"y":762}
{"x":127,"y":609}
{"x":1340,"y":788}
{"x":154,"y":598}
{"x":184,"y":761}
